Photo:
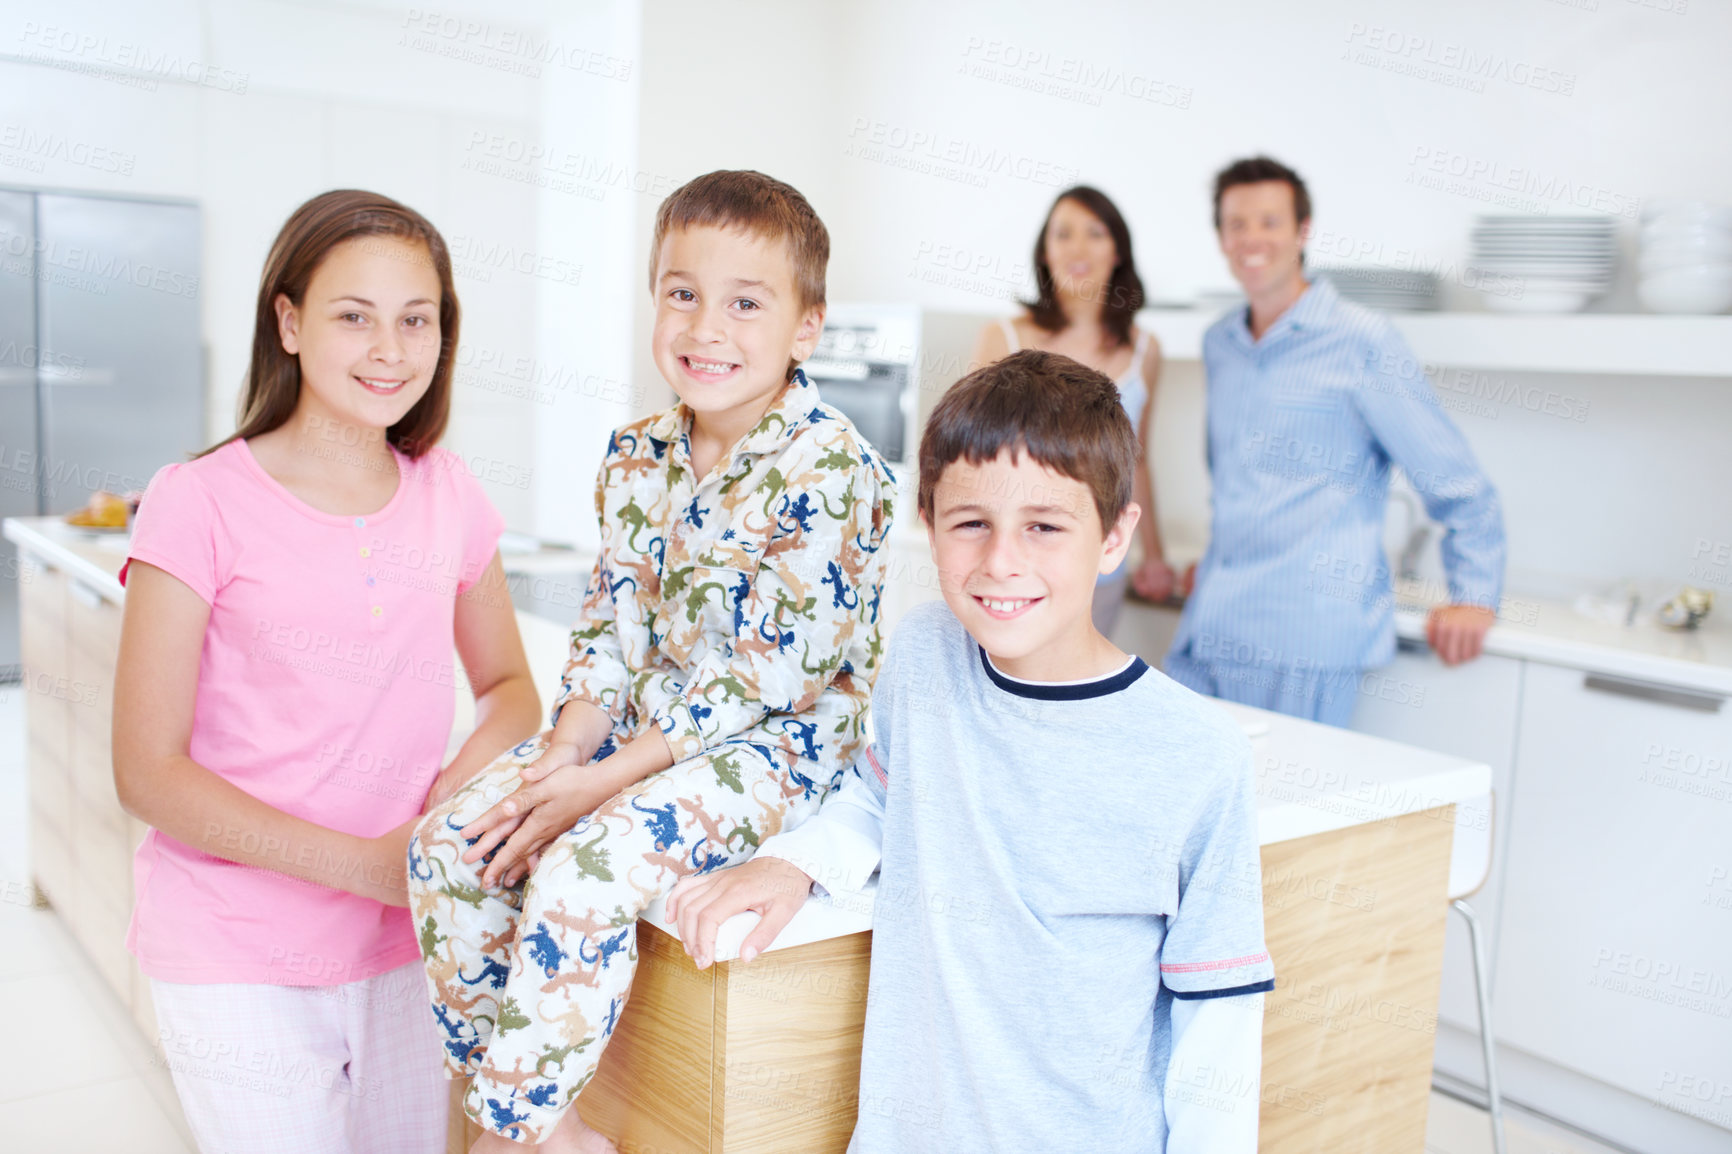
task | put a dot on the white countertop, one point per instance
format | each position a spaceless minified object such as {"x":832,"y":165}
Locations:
{"x":1553,"y":631}
{"x":1311,"y":779}
{"x":93,"y":556}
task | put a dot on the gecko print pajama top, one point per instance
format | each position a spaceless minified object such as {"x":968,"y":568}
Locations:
{"x":738,"y":613}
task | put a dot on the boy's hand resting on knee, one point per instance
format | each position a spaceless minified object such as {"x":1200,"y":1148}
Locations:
{"x":517,"y":829}
{"x":768,"y":886}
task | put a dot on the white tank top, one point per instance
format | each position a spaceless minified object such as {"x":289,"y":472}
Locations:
{"x":1133,"y":393}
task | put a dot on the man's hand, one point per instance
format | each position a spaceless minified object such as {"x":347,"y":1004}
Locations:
{"x":517,"y":829}
{"x":1155,"y":579}
{"x":1456,"y":633}
{"x":768,"y":886}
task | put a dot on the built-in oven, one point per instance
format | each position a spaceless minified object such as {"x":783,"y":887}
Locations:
{"x":867,"y":365}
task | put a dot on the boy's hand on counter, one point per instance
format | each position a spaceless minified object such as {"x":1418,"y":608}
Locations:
{"x":768,"y":886}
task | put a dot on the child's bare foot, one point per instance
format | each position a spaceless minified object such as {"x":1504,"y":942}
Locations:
{"x":573,"y":1136}
{"x":491,"y":1143}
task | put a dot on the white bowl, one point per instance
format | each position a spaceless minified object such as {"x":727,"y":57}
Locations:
{"x":1699,"y":289}
{"x":1682,"y":230}
{"x":1675,"y":211}
{"x":1653,"y":260}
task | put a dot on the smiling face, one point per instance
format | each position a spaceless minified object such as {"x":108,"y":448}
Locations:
{"x":1079,"y":251}
{"x":366,"y":332}
{"x":728,"y":321}
{"x":1262,"y":239}
{"x":1018,"y":547}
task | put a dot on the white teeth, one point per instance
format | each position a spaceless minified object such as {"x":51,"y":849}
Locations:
{"x":708,"y":366}
{"x":387,"y":385}
{"x":1002,"y":606}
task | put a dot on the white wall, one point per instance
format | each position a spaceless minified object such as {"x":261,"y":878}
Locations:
{"x":918,"y":132}
{"x":295,"y":98}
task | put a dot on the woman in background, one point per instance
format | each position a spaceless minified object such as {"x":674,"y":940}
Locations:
{"x":1087,"y":297}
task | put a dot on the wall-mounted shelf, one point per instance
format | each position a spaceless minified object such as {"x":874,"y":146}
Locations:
{"x":1610,"y":343}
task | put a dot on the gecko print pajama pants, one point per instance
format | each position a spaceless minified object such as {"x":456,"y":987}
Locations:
{"x":528,"y":983}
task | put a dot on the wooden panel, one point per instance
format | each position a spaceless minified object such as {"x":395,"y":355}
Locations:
{"x":788,"y":1055}
{"x":94,"y":622}
{"x":49,"y":776}
{"x":47,"y":680}
{"x":1355,"y":923}
{"x":653,"y":1089}
{"x":100,"y":927}
{"x":50,"y":856}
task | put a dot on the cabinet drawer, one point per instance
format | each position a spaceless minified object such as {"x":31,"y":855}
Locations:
{"x":42,"y":610}
{"x":48,"y":705}
{"x":92,"y":771}
{"x":49,"y":780}
{"x":1615,"y":960}
{"x":102,"y":851}
{"x":94,"y":622}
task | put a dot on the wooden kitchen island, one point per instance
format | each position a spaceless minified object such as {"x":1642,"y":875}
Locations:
{"x":1357,"y":835}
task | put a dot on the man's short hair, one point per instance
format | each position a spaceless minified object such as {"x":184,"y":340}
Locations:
{"x":1063,"y":414}
{"x":1256,"y":170}
{"x":761,"y":206}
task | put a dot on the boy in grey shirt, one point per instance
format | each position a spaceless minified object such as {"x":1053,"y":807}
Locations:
{"x":1067,"y":947}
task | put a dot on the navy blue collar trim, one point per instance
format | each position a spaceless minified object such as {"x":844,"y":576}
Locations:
{"x":1123,"y":679}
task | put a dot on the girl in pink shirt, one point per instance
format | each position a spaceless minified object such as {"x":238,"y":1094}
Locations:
{"x":285,"y":694}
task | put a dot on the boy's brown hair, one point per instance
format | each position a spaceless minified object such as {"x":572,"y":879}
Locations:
{"x":760,"y":205}
{"x":1064,"y":414}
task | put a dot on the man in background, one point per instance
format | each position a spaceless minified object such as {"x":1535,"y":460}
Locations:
{"x":1311,"y":401}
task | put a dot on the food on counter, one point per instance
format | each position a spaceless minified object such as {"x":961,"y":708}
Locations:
{"x":1687,"y":608}
{"x":102,"y":511}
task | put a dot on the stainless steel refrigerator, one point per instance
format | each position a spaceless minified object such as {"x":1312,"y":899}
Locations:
{"x":101,"y":365}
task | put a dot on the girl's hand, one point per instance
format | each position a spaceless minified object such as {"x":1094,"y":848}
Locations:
{"x":384,"y":870}
{"x":517,"y":829}
{"x":450,"y":780}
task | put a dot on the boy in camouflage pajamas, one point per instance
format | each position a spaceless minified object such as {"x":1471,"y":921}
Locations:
{"x":719,"y":674}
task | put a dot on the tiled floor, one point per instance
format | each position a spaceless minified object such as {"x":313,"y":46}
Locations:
{"x":79,"y":1078}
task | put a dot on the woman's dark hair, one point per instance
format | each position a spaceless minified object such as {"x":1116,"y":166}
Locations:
{"x":1124,"y":292}
{"x":312,"y":231}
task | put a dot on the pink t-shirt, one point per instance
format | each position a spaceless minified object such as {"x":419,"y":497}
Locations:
{"x":326,"y":689}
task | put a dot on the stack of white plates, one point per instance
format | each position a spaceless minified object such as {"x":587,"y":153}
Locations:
{"x":1543,"y":264}
{"x":1686,"y":257}
{"x":1390,"y":289}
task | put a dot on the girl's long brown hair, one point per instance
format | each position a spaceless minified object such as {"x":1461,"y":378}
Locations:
{"x":1124,"y":292}
{"x":315,"y":228}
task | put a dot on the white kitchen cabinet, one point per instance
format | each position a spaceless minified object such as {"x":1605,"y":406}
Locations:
{"x":1630,"y":984}
{"x":1470,"y":711}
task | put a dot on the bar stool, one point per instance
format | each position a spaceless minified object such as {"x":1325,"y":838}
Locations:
{"x":1469,"y":866}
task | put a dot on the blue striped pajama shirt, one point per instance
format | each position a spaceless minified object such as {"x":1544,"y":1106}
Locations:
{"x":1292,"y":598}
